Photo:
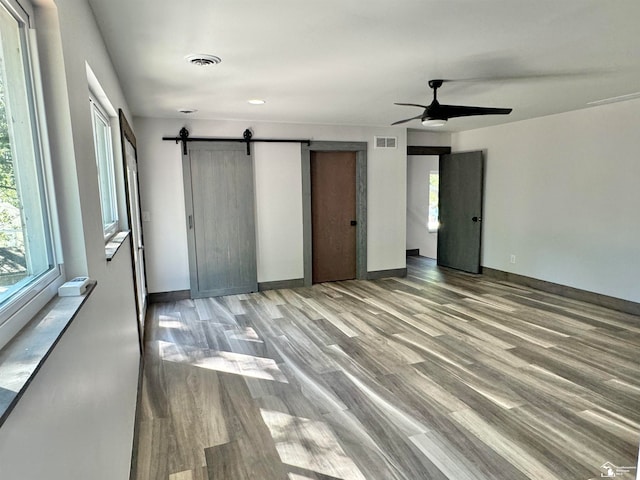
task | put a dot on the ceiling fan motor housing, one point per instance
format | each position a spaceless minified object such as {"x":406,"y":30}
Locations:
{"x":434,"y":112}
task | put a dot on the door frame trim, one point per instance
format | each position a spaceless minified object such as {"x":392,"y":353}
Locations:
{"x":361,"y":202}
{"x":127,"y":135}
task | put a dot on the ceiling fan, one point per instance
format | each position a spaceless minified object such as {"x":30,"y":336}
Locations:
{"x":436,"y":114}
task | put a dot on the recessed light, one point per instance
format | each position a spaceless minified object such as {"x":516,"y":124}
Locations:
{"x":257,"y":101}
{"x":187,"y":111}
{"x":202,"y":59}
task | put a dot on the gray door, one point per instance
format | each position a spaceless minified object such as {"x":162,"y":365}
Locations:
{"x":460,"y":210}
{"x":220,"y":219}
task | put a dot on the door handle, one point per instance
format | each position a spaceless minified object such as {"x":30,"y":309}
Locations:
{"x":353,"y":223}
{"x":476,"y":219}
{"x":190,"y":222}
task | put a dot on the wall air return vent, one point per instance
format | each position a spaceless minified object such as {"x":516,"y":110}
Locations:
{"x":386,"y":142}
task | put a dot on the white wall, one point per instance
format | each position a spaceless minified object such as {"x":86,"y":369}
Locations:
{"x":428,"y":138}
{"x":418,"y":169}
{"x":278,"y":211}
{"x":562,"y":195}
{"x":75,"y":420}
{"x":278,"y":193}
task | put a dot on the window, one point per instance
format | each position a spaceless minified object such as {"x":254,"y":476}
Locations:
{"x":27,"y":258}
{"x":434,"y":181}
{"x":106,"y":175}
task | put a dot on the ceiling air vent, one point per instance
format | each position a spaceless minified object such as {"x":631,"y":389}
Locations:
{"x":202,"y":59}
{"x":386,"y":142}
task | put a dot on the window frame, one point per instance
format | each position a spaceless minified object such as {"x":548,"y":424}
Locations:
{"x":32,"y":295}
{"x":99,"y":113}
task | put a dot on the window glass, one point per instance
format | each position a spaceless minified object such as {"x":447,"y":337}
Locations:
{"x":26,"y":252}
{"x":434,"y":181}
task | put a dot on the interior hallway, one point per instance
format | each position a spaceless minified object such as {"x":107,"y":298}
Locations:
{"x":440,"y":375}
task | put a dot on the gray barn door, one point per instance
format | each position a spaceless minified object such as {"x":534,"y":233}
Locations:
{"x":219,"y":200}
{"x":460,"y":210}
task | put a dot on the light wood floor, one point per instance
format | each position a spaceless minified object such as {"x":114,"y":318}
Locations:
{"x":440,"y":375}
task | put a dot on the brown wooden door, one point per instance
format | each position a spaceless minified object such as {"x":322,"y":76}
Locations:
{"x":333,"y":209}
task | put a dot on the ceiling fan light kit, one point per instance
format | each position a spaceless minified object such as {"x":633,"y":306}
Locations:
{"x":434,"y":122}
{"x":437,"y":114}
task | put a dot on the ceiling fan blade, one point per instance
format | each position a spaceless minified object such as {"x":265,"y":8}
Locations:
{"x":407,"y":120}
{"x":561,"y":75}
{"x":452,"y":111}
{"x":411,"y":105}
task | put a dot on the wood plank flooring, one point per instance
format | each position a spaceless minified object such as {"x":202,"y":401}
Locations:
{"x":439,"y":375}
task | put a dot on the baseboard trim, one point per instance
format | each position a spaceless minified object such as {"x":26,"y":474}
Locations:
{"x":278,"y":284}
{"x":394,"y":272}
{"x":413,"y":252}
{"x":133,"y":467}
{"x":173,"y":296}
{"x":614,"y":303}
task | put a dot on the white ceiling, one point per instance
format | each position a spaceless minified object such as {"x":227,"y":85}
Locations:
{"x":347,"y":61}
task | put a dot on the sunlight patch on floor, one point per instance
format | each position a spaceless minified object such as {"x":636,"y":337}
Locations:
{"x":166,"y":321}
{"x":227,"y":362}
{"x":246,"y":334}
{"x":310,"y":445}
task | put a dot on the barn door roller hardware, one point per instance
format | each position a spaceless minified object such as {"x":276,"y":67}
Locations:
{"x":247,"y":137}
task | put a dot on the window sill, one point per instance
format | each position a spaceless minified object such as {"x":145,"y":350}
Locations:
{"x":22,"y":357}
{"x":114,"y":244}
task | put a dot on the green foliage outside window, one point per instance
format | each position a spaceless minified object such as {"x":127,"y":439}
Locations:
{"x":12,"y":253}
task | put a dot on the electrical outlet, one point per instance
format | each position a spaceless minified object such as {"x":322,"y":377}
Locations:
{"x":512,"y":258}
